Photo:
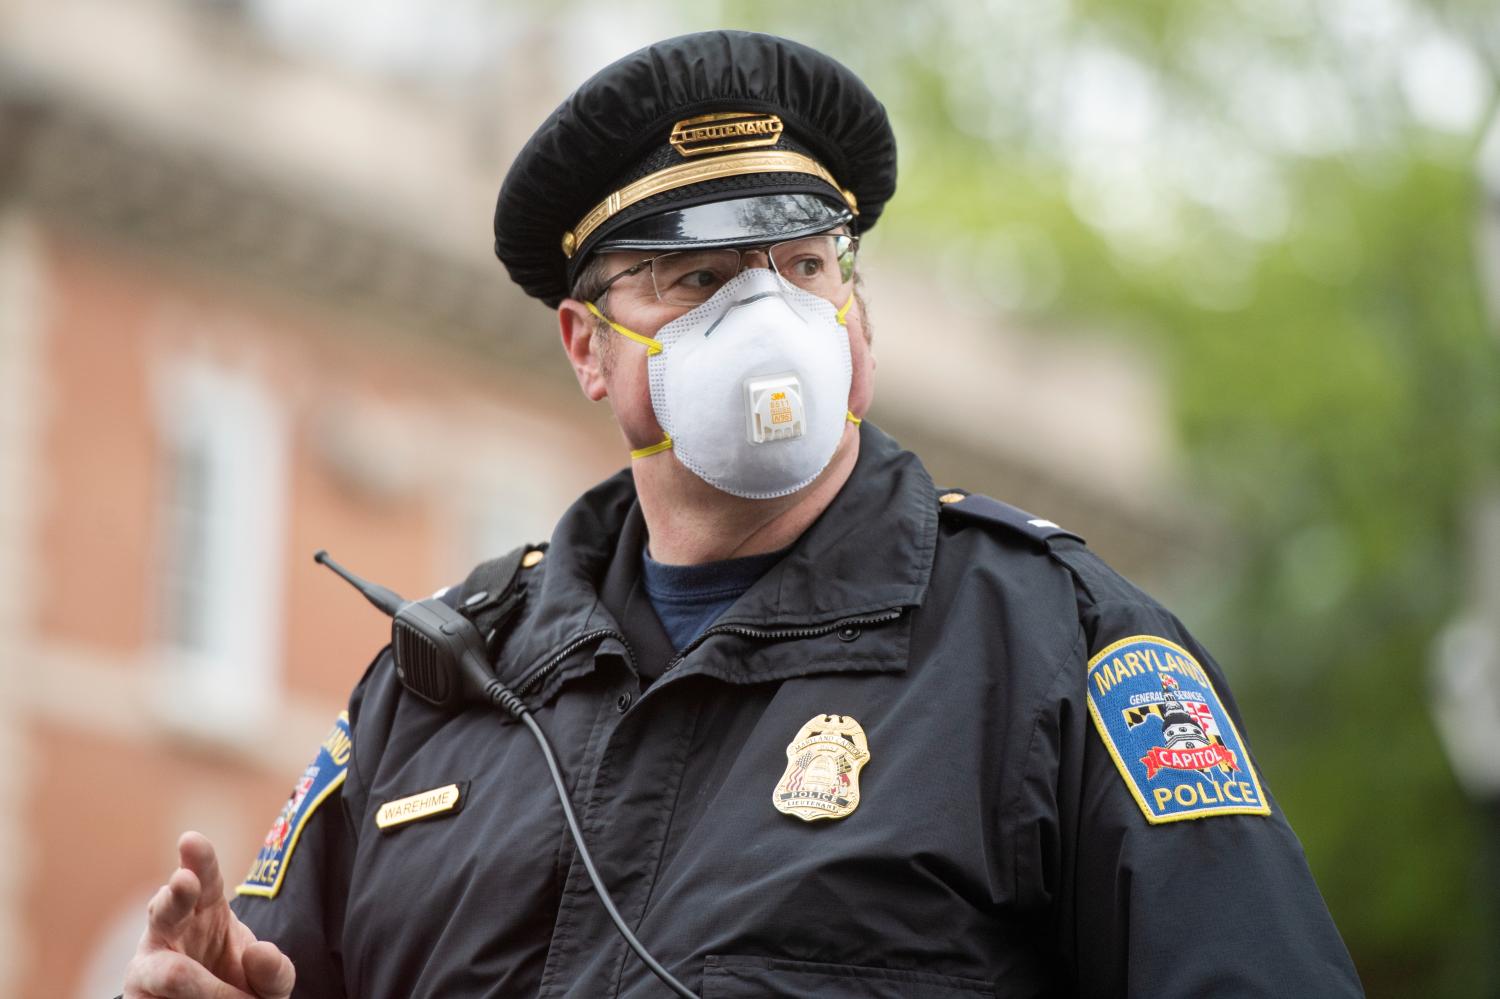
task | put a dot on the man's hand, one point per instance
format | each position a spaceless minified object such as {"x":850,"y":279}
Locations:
{"x":195,"y":948}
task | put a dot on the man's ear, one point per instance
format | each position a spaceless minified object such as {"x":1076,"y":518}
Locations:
{"x":580,"y":340}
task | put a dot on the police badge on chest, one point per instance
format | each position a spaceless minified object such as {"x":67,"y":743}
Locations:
{"x":821,"y":780}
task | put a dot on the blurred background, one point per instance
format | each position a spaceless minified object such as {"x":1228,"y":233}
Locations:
{"x":1214,"y":284}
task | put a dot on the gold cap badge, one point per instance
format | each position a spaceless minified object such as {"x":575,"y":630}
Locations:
{"x":721,"y":132}
{"x":821,"y":780}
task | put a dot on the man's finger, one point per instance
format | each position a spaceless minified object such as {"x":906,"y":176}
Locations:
{"x":170,"y":907}
{"x":198,"y":856}
{"x":268,"y":971}
{"x":169,"y":975}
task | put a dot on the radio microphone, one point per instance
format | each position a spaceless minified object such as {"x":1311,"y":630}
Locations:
{"x":440,"y":656}
{"x":441,"y":659}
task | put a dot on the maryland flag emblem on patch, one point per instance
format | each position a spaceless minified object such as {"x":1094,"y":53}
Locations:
{"x":322,"y":778}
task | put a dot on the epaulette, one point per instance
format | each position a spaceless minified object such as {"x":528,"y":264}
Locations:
{"x":494,"y":590}
{"x":1069,"y":550}
{"x":991,"y":511}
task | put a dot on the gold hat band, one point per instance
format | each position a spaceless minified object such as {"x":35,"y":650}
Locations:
{"x":733,"y":165}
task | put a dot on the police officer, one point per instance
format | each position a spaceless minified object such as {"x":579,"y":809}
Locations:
{"x":830,"y":730}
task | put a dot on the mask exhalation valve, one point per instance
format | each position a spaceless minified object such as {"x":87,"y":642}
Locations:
{"x":776,"y":409}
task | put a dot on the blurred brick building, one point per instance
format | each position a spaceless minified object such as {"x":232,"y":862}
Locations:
{"x":247,"y":310}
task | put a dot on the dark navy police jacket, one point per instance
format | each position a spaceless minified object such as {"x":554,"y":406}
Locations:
{"x":1007,"y":841}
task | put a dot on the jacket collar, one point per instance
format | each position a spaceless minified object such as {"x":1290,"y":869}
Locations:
{"x":870,"y":551}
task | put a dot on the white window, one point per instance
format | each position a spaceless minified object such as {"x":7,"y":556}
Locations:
{"x":218,"y":582}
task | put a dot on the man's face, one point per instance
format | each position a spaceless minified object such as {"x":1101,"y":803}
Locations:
{"x":611,"y":366}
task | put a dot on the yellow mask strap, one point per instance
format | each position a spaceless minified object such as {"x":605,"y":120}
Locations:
{"x":665,"y":444}
{"x":841,"y":313}
{"x":849,"y":413}
{"x":652,"y":346}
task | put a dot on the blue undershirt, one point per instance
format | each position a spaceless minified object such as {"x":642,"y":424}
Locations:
{"x":689,"y":598}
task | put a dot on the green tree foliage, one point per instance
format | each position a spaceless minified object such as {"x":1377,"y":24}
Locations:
{"x":1281,"y":199}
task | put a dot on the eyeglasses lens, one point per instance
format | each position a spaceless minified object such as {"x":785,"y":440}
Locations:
{"x":823,"y":265}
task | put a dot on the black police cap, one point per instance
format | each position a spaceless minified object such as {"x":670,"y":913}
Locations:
{"x":719,"y":138}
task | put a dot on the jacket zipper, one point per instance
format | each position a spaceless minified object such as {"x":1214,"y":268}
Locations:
{"x":777,"y":633}
{"x":536,"y":676}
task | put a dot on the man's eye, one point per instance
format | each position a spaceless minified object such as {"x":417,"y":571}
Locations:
{"x":805,"y":267}
{"x":698,"y":280}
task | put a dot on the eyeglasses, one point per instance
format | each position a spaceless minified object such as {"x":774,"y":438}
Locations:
{"x":822,"y":264}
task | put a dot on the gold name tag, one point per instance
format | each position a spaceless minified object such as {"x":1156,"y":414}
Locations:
{"x":418,"y":806}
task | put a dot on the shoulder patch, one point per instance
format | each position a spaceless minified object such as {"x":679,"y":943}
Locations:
{"x":322,"y":777}
{"x":992,"y":511}
{"x":1173,"y":742}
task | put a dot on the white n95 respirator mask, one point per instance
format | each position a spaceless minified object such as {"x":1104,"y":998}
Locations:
{"x":752,"y":386}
